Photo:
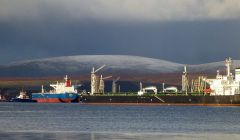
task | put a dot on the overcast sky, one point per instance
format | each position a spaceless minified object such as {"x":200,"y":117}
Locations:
{"x":184,"y":31}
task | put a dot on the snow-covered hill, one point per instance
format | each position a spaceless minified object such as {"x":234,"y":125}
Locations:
{"x":212,"y":67}
{"x":115,"y":64}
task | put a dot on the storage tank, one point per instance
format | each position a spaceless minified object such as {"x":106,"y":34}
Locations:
{"x":237,"y":74}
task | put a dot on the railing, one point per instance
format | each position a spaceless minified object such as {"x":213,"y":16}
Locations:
{"x":146,"y":94}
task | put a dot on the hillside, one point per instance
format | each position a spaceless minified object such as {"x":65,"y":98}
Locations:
{"x":115,"y":65}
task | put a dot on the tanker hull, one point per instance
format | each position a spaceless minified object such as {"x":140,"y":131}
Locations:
{"x":54,"y":97}
{"x":166,"y":100}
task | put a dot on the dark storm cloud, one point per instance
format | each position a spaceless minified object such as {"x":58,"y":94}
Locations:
{"x":188,"y":33}
{"x":186,"y":42}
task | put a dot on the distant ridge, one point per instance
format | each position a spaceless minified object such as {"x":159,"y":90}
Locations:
{"x":116,"y":64}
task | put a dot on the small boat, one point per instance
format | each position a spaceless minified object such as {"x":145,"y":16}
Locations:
{"x":23,"y":97}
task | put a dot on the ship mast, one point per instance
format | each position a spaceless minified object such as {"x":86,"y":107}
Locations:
{"x":228,"y":63}
{"x":185,"y":81}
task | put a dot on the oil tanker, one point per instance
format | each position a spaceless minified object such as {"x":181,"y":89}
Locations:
{"x":63,"y":92}
{"x":232,"y":100}
{"x":223,"y":90}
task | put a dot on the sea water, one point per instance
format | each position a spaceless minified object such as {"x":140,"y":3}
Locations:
{"x":117,"y":122}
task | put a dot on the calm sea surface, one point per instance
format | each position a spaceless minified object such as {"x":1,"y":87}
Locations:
{"x":114,"y":122}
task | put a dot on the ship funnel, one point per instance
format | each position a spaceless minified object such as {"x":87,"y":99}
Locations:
{"x":67,"y":81}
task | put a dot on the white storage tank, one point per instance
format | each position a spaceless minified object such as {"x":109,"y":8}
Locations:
{"x":237,"y":74}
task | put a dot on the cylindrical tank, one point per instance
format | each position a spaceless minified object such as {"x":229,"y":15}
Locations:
{"x":237,"y":74}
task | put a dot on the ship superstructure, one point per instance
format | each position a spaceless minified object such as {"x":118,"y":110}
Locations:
{"x":63,"y":87}
{"x":225,"y":84}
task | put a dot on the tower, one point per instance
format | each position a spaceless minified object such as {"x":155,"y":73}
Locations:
{"x":101,"y":88}
{"x":95,"y":80}
{"x":140,"y":86}
{"x":185,"y":84}
{"x":228,"y":63}
{"x":114,"y":85}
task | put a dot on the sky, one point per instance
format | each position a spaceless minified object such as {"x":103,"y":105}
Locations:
{"x":183,"y":31}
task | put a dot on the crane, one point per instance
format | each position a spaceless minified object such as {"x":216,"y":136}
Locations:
{"x":114,"y":85}
{"x":95,"y":71}
{"x":95,"y":79}
{"x":101,"y":83}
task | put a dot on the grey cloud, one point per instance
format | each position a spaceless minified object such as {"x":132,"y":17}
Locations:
{"x":121,"y":10}
{"x":184,"y":42}
{"x":193,"y":31}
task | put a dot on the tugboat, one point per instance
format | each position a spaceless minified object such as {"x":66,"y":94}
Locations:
{"x":23,"y":97}
{"x":63,"y":92}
